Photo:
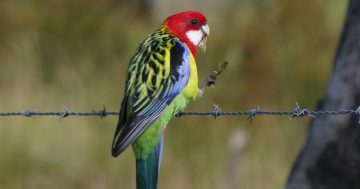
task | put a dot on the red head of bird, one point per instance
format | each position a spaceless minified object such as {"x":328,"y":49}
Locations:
{"x":190,"y":27}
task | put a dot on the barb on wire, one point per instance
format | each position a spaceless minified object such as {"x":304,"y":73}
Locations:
{"x":64,"y":112}
{"x":28,"y":112}
{"x":253,"y":113}
{"x":298,"y":112}
{"x":102,"y":113}
{"x":357,"y":113}
{"x":215,"y":113}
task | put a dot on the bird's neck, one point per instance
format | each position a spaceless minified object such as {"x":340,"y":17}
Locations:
{"x":182,"y":37}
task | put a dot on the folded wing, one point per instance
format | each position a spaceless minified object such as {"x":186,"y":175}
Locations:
{"x":157,"y":74}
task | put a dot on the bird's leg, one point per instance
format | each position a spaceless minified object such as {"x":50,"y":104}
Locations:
{"x":211,"y":80}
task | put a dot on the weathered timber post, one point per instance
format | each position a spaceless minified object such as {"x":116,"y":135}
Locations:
{"x":331,"y":156}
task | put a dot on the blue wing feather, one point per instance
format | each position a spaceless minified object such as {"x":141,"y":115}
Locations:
{"x":140,"y":119}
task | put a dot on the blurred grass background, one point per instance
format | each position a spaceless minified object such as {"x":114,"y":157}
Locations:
{"x":75,"y":53}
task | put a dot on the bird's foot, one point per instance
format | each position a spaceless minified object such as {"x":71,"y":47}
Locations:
{"x":211,"y":80}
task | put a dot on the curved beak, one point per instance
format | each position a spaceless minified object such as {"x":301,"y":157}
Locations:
{"x":206,"y":31}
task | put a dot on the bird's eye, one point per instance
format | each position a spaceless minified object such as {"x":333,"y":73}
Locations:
{"x":194,"y":22}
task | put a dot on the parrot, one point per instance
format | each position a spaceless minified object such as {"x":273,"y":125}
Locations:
{"x":161,"y":80}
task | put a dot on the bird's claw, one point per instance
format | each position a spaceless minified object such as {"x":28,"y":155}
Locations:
{"x":211,"y":80}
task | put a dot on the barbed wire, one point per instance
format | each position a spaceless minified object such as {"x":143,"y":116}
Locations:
{"x":216,"y":112}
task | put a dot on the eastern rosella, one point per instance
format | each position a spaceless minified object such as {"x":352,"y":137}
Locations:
{"x":161,"y":79}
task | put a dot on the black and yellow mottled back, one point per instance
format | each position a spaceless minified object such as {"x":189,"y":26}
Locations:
{"x":158,"y":72}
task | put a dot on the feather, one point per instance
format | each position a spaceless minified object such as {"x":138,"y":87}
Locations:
{"x":147,"y":169}
{"x":156,"y":75}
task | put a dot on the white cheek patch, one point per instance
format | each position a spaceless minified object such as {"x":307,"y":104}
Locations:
{"x":195,"y":36}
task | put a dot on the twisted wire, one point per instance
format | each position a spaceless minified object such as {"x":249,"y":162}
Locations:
{"x":216,"y":112}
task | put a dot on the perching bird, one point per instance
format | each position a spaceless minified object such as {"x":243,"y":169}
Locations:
{"x":161,"y":79}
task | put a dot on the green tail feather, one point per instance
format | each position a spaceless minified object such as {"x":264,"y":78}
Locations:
{"x":147,"y":169}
